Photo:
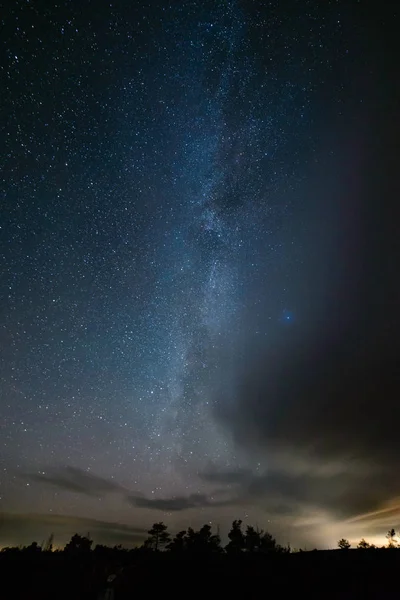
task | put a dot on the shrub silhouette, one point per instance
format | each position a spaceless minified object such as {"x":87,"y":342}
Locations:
{"x":78,"y":544}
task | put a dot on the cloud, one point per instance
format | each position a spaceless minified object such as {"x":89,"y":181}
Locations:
{"x":176,"y":503}
{"x":330,"y":404}
{"x":316,"y":503}
{"x":283,"y":489}
{"x":231,"y":477}
{"x":75,"y":480}
{"x":324,"y":389}
{"x":18,"y":529}
{"x":338,"y":494}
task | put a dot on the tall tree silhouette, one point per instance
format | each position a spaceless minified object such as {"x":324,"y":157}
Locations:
{"x":236,"y":542}
{"x":252,"y":539}
{"x":391,"y":538}
{"x":159,"y":536}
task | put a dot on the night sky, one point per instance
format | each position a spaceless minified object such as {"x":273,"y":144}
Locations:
{"x":199,"y":276}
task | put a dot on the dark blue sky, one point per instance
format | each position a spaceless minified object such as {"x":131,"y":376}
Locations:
{"x":188,"y":190}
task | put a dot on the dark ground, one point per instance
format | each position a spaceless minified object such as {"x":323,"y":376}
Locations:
{"x":322,"y":574}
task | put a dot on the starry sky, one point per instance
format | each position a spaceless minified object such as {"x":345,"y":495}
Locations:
{"x":199,"y":269}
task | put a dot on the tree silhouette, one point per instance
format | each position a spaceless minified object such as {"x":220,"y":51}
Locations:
{"x":147,"y":544}
{"x":203,"y":541}
{"x":159,"y":536}
{"x":391,"y":538}
{"x":48,"y":545}
{"x":363,"y":545}
{"x":344,"y":544}
{"x":33,"y":548}
{"x":236,"y":542}
{"x":268,"y":543}
{"x":78,"y":544}
{"x":178,"y":544}
{"x":252,"y":539}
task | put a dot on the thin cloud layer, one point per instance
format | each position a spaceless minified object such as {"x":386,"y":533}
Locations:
{"x":231,"y":477}
{"x":76,"y":480}
{"x":18,"y":529}
{"x":176,"y":503}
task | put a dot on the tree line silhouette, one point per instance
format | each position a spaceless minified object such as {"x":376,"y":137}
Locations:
{"x":202,"y":541}
{"x":188,"y":542}
{"x":391,"y":535}
{"x":250,"y":557}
